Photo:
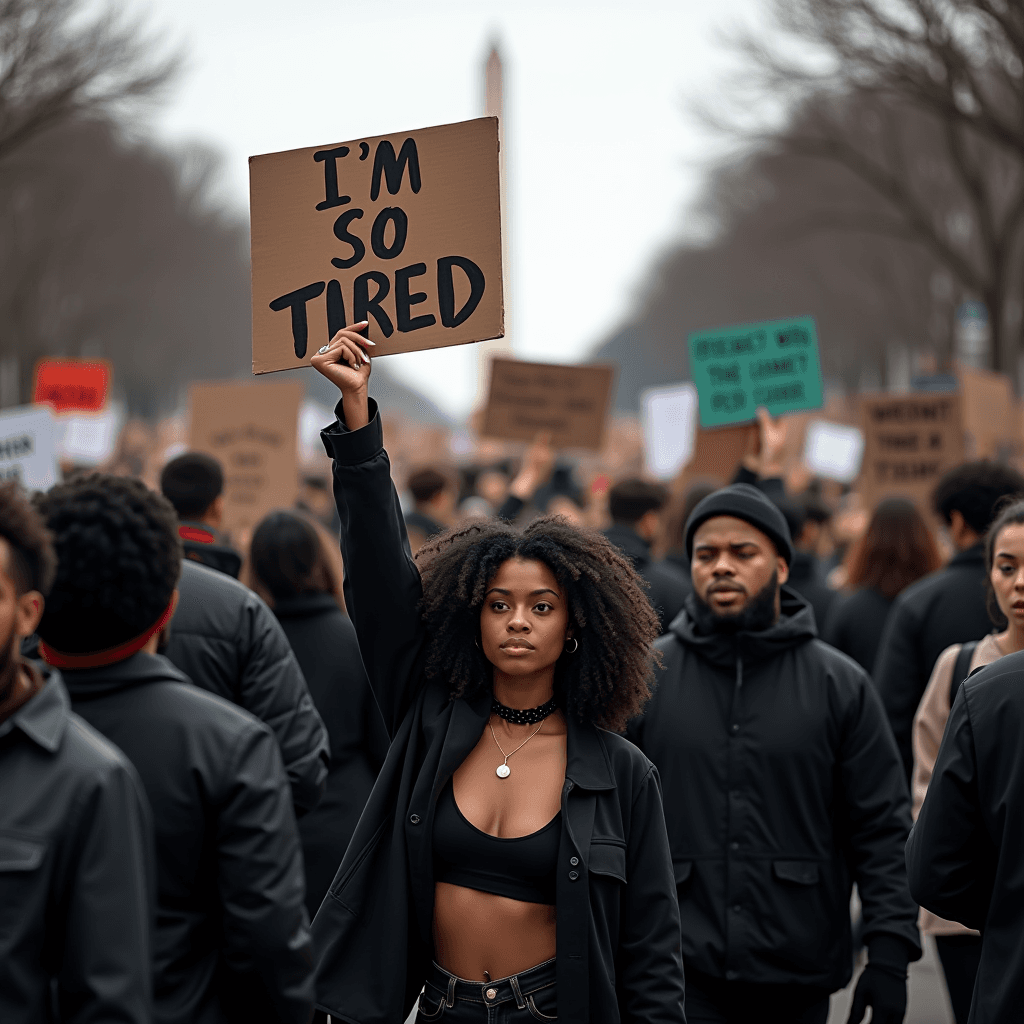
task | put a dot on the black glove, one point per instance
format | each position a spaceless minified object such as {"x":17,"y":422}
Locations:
{"x":884,"y":989}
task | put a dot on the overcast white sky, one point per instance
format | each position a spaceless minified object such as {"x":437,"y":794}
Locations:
{"x":605,"y":86}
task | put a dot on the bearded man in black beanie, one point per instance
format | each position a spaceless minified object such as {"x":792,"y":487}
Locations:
{"x":782,"y":787}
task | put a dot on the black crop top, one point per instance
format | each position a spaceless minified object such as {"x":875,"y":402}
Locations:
{"x":522,"y":868}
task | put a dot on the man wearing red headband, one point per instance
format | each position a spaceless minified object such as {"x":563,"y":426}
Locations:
{"x":232,"y":941}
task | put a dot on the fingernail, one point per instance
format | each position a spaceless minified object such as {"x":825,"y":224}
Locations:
{"x":368,"y":342}
{"x":366,"y":358}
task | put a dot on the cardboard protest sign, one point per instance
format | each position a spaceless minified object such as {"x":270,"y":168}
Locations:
{"x":568,"y":402}
{"x":27,"y":449}
{"x":988,"y":410}
{"x":669,"y":420}
{"x":401,"y":230}
{"x":717,"y":453}
{"x":69,"y":385}
{"x":909,"y":442}
{"x":737,"y":369}
{"x":252,"y":429}
{"x":833,"y":450}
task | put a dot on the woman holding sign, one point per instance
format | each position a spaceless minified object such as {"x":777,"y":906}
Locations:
{"x":512,"y":862}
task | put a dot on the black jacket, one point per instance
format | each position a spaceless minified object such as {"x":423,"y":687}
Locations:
{"x":617,"y":919}
{"x":667,"y":586}
{"x":782,"y":786}
{"x":946,"y":607}
{"x":965,"y":857}
{"x":855,"y":625}
{"x":226,"y":640}
{"x":232,"y":940}
{"x":205,"y":545}
{"x":76,"y":872}
{"x":324,"y":641}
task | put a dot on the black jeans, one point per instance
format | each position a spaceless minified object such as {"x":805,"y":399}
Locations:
{"x":717,"y":1001}
{"x":960,"y":956}
{"x":520,"y":999}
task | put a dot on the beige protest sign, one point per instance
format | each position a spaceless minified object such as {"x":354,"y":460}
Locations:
{"x":989,"y":412}
{"x":717,"y":452}
{"x":569,"y":402}
{"x":909,"y":442}
{"x":401,"y":230}
{"x":252,"y":429}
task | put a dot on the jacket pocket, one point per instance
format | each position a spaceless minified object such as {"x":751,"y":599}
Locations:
{"x":683,"y":869}
{"x":608,"y":859}
{"x":342,"y":886}
{"x":801,"y":872}
{"x":19,"y":853}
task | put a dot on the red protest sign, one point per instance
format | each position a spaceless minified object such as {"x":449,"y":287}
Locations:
{"x":72,"y":385}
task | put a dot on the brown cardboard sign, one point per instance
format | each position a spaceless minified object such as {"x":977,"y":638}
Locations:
{"x":401,"y":230}
{"x":989,"y":420}
{"x":717,"y":452}
{"x":910,"y":441}
{"x":568,"y":402}
{"x":252,"y":429}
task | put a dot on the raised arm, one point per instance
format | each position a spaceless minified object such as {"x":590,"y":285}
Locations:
{"x":382,"y":583}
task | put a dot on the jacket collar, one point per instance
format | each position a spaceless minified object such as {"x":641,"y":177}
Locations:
{"x":630,"y":543}
{"x":138,"y":670}
{"x":587,"y":764}
{"x":794,"y":626}
{"x":972,"y":556}
{"x":44,"y":717}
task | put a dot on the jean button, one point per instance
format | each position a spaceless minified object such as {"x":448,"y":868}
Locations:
{"x":491,"y":993}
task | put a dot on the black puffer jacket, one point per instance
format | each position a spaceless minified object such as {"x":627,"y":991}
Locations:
{"x":965,"y":857}
{"x":667,"y":586}
{"x":782,"y":786}
{"x":226,"y":640}
{"x":618,"y":953}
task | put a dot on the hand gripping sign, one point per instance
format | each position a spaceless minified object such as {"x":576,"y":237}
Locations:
{"x":401,"y":230}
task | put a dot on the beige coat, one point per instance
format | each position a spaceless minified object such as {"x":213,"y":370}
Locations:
{"x":929,"y":725}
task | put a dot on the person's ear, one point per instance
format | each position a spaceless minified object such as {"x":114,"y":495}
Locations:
{"x":29,"y":611}
{"x":782,"y":569}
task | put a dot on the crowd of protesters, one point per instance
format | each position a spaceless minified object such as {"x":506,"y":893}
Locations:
{"x":519,"y":748}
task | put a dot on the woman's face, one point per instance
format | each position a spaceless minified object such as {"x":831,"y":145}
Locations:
{"x":1008,"y":573}
{"x":525,"y":618}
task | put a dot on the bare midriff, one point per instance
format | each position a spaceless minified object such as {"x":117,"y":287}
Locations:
{"x":480,"y":936}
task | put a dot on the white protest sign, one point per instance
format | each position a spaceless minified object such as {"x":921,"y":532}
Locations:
{"x":833,"y":450}
{"x":669,"y":422}
{"x":27,"y":450}
{"x":89,"y":438}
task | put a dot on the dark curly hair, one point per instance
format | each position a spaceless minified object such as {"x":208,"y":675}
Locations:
{"x":32,"y":560}
{"x":974,"y":489}
{"x":119,"y":559}
{"x":607,"y":680}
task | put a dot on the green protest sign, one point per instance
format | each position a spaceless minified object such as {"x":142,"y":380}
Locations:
{"x":737,"y":369}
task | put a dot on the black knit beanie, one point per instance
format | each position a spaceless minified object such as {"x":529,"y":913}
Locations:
{"x":749,"y":504}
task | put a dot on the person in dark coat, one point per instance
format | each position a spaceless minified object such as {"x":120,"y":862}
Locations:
{"x":232,"y":937}
{"x":896,"y":550}
{"x":434,"y":497}
{"x":947,"y":607}
{"x":76,"y":857}
{"x":635,"y":506}
{"x":194,"y":484}
{"x":227,"y":641}
{"x":509,"y":838}
{"x":289,"y":565}
{"x":965,"y":856}
{"x":806,"y":575}
{"x":782,"y":788}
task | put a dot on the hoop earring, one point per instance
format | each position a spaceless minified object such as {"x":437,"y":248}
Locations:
{"x":575,"y":645}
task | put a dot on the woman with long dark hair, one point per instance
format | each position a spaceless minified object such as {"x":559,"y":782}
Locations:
{"x":512,"y":863}
{"x":896,"y":550}
{"x":959,"y":948}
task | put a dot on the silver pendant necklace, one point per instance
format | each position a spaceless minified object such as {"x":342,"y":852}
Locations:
{"x":503,"y":771}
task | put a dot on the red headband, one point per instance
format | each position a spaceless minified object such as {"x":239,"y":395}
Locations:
{"x":113,"y":654}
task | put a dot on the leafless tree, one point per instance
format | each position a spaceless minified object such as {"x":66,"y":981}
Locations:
{"x":60,"y":63}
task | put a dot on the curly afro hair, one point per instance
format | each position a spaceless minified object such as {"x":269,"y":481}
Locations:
{"x":119,"y":559}
{"x":32,"y":559}
{"x":607,"y":680}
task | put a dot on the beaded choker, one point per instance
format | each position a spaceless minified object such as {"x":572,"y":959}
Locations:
{"x":523,"y":716}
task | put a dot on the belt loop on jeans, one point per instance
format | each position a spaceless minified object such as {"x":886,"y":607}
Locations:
{"x":520,"y":1001}
{"x":450,"y":999}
